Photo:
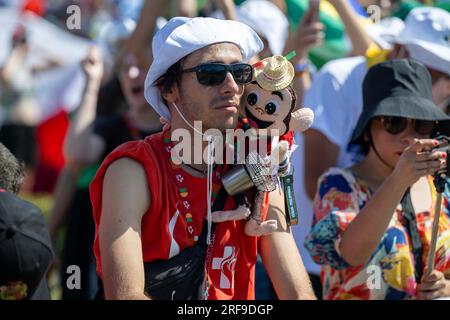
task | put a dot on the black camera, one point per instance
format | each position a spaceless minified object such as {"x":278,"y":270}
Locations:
{"x":441,"y":176}
{"x":444,"y":146}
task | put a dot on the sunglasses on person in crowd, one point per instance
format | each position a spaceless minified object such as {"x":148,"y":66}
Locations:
{"x":396,"y":125}
{"x":213,"y":74}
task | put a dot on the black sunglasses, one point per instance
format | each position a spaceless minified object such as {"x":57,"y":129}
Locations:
{"x":396,"y":125}
{"x":213,"y":74}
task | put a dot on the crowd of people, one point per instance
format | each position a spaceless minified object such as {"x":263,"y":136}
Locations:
{"x":367,"y":175}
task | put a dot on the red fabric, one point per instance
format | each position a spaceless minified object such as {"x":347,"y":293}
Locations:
{"x":289,"y":137}
{"x":50,"y":139}
{"x":36,"y":6}
{"x":232,"y":255}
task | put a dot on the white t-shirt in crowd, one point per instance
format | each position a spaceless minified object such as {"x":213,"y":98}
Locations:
{"x":335,"y":97}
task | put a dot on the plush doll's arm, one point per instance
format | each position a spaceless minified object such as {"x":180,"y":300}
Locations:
{"x":241,"y":212}
{"x":255,"y":227}
{"x":301,"y":120}
{"x":279,"y":157}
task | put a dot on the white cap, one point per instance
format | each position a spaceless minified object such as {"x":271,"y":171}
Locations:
{"x":385,"y":32}
{"x":427,"y":37}
{"x":182,"y":36}
{"x":267,"y":20}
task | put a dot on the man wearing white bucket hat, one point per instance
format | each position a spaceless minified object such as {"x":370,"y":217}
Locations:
{"x":152,"y":208}
{"x":336,"y":98}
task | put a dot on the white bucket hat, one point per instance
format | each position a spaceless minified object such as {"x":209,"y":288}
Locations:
{"x":182,"y":36}
{"x":427,"y":37}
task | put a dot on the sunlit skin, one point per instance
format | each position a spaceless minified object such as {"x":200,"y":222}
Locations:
{"x":389,"y":146}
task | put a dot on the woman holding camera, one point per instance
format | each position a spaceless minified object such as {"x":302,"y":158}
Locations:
{"x":372,"y":226}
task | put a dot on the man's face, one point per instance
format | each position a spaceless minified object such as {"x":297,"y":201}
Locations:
{"x":441,"y":91}
{"x":216,"y":106}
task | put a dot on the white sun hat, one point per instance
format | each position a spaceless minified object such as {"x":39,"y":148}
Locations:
{"x":427,"y":37}
{"x":182,"y":36}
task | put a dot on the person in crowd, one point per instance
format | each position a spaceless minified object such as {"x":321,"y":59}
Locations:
{"x":89,"y":140}
{"x":18,"y":103}
{"x":335,"y":96}
{"x":137,"y":194}
{"x":377,"y":214}
{"x":338,"y":110}
{"x":25,"y":247}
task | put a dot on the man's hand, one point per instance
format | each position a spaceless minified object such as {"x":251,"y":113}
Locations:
{"x":434,"y":286}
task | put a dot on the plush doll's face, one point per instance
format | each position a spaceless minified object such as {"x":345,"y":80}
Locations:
{"x":268,"y":109}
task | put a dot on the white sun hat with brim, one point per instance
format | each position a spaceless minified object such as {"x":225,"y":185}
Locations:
{"x":181,"y":36}
{"x":427,"y":37}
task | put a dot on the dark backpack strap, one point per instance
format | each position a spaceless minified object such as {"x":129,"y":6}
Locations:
{"x":411,"y":226}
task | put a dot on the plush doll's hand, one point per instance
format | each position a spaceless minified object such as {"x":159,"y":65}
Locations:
{"x":253,"y":229}
{"x":301,"y":120}
{"x":278,"y":156}
{"x":241,"y":212}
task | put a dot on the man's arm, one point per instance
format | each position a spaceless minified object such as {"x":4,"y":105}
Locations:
{"x":125,"y":200}
{"x":320,"y":154}
{"x":228,"y":8}
{"x":281,"y":258}
{"x":186,"y":8}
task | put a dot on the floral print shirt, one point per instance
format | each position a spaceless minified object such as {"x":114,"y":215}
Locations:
{"x":389,"y":273}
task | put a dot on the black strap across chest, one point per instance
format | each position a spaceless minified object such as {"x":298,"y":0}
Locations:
{"x":411,"y":226}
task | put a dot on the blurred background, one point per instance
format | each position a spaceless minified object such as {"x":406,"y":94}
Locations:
{"x":48,"y":66}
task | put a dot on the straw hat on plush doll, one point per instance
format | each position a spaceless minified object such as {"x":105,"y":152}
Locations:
{"x":269,"y":100}
{"x":274,"y":73}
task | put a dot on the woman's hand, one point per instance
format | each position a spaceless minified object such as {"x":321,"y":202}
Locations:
{"x":92,"y":66}
{"x":418,"y":160}
{"x":309,"y":33}
{"x":434,"y":286}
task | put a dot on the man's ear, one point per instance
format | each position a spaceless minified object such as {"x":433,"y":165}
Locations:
{"x":170,"y":95}
{"x":301,"y":120}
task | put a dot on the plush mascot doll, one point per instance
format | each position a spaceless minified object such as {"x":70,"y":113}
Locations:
{"x":269,"y":107}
